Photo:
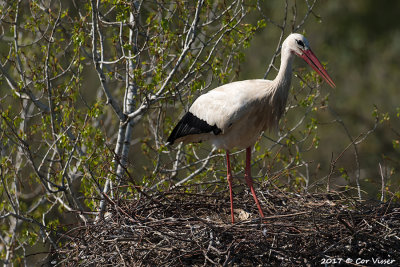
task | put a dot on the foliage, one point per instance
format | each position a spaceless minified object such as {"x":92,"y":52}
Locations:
{"x":77,"y":78}
{"x":90,"y":90}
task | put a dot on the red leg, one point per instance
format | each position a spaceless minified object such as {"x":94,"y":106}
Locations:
{"x":229,"y":177}
{"x":249,"y":180}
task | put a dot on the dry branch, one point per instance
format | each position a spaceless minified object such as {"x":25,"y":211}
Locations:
{"x":181,"y":229}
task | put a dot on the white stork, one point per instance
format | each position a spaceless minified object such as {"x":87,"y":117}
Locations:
{"x":235,"y":114}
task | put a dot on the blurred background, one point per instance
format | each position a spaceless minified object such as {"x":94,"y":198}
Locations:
{"x":357,"y":123}
{"x":328,"y":138}
{"x":360,"y":40}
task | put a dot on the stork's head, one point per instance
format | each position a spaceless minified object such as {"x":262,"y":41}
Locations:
{"x":298,"y":44}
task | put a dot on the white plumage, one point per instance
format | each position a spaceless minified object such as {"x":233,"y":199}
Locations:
{"x":235,"y":114}
{"x":241,"y":110}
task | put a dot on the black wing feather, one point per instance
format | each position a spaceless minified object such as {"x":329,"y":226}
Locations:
{"x":190,"y":124}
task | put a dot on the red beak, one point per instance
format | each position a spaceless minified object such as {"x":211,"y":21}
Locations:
{"x":313,"y":61}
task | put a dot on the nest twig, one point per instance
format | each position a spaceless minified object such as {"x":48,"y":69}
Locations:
{"x":180,"y":229}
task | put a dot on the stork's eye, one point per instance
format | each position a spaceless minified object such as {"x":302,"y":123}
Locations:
{"x":300,"y":43}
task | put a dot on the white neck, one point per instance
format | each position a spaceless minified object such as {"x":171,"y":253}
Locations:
{"x":284,"y":77}
{"x":281,"y":83}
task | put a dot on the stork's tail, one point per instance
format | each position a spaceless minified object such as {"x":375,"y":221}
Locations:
{"x":191,"y":125}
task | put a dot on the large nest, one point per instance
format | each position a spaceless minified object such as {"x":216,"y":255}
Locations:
{"x":179,"y":229}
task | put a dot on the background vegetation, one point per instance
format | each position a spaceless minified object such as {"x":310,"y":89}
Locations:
{"x":90,"y":90}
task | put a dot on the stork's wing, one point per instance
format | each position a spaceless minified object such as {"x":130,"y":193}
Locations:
{"x":191,"y":125}
{"x":217,"y":110}
{"x":229,"y":103}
